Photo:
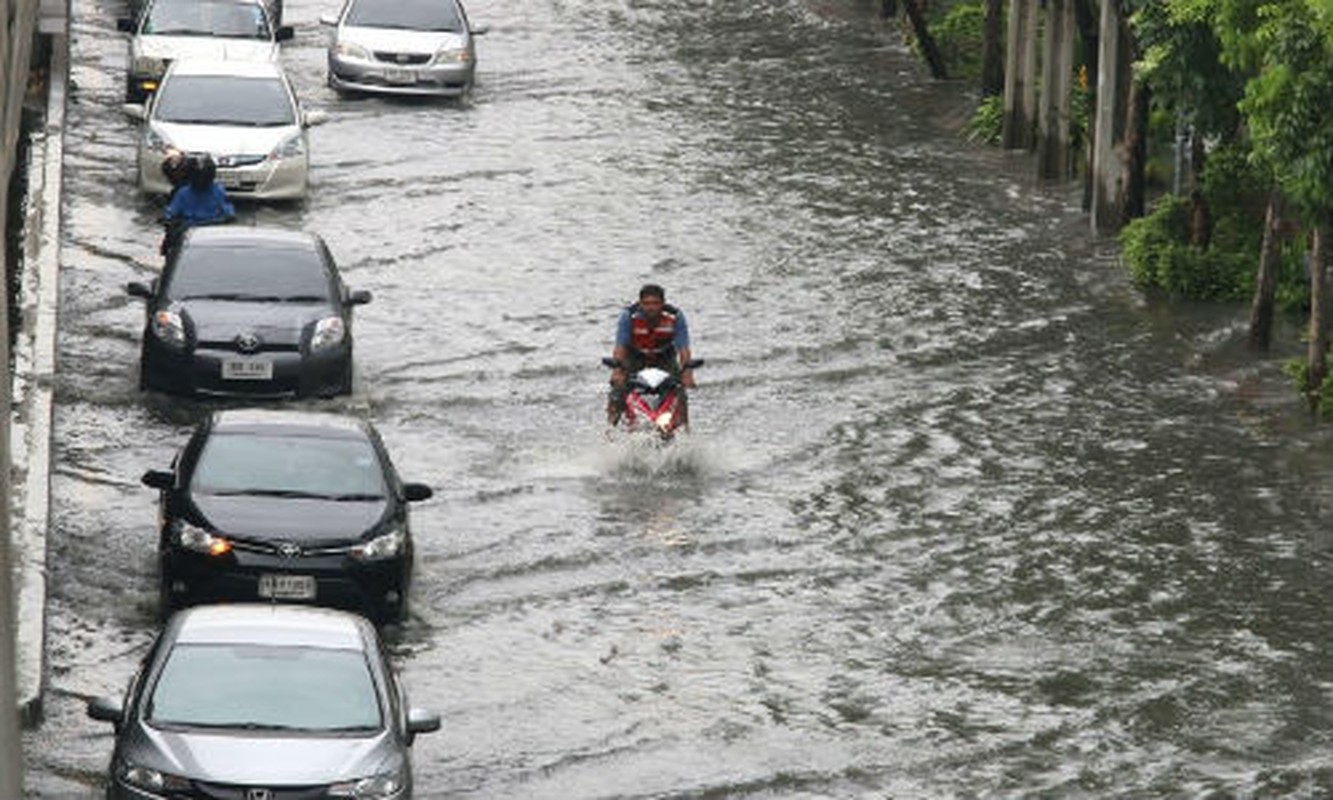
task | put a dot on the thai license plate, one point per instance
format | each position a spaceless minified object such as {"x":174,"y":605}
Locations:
{"x":247,"y":369}
{"x":400,"y":76}
{"x":287,"y":587}
{"x":229,"y":179}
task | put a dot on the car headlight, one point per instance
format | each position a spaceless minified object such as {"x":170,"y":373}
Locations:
{"x":169,"y":328}
{"x":155,"y":141}
{"x":149,"y":66}
{"x":150,"y":779}
{"x":351,"y":50}
{"x":199,"y":540}
{"x":328,"y":332}
{"x":291,"y":147}
{"x":452,"y":55}
{"x":381,"y":547}
{"x":384,"y":786}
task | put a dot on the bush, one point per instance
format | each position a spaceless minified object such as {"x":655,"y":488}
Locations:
{"x":987,"y":122}
{"x":960,"y":36}
{"x":1157,"y":250}
{"x":1299,"y":372}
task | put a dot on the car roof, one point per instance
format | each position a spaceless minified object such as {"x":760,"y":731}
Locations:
{"x":290,"y":422}
{"x":272,"y":624}
{"x":249,"y":236}
{"x":237,"y":69}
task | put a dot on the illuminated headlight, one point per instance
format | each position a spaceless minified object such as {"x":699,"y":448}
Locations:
{"x":381,"y":547}
{"x":169,"y":328}
{"x":150,"y":779}
{"x":149,"y":66}
{"x":452,"y":55}
{"x":199,"y":540}
{"x":377,"y":787}
{"x":664,"y":421}
{"x":328,"y":332}
{"x":351,"y":50}
{"x":291,"y":147}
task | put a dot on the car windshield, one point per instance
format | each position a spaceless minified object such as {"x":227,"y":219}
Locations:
{"x":290,"y":466}
{"x":265,"y":687}
{"x":224,"y":100}
{"x":418,"y":15}
{"x":274,"y":273}
{"x":202,"y":18}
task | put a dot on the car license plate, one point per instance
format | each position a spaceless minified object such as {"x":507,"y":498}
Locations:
{"x":247,"y":369}
{"x":229,"y":179}
{"x":287,"y":587}
{"x":400,"y":76}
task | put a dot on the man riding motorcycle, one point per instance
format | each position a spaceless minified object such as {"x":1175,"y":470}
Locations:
{"x":199,"y":200}
{"x":649,"y":333}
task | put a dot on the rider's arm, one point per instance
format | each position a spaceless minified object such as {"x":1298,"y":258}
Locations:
{"x":228,"y":210}
{"x":681,"y":342}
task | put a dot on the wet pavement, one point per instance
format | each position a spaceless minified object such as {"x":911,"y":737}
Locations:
{"x":962,"y":514}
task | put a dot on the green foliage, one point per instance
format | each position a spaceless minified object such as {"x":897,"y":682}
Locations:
{"x":1299,"y":371}
{"x":987,"y":122}
{"x":960,"y":36}
{"x":1157,"y":250}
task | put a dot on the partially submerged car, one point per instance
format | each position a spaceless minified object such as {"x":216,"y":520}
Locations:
{"x":245,"y":114}
{"x":410,"y":47}
{"x":261,"y":701}
{"x":169,"y":30}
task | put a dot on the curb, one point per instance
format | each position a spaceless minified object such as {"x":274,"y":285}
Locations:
{"x":34,"y":383}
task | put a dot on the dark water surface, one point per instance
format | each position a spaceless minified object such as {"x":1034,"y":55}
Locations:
{"x":962,"y":515}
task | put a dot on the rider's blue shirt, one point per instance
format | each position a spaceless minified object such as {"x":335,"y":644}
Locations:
{"x":194,"y":207}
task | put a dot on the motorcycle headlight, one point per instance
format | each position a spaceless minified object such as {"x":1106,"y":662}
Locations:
{"x":384,"y":786}
{"x":149,"y":66}
{"x":150,"y":779}
{"x":199,"y":540}
{"x":351,"y":50}
{"x":381,"y":547}
{"x":452,"y":55}
{"x":291,"y":147}
{"x":169,"y":328}
{"x":328,"y":332}
{"x":664,"y":421}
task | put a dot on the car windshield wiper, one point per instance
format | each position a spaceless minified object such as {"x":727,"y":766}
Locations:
{"x":356,"y":498}
{"x":256,"y":492}
{"x":234,"y":726}
{"x":302,"y":298}
{"x":225,"y":296}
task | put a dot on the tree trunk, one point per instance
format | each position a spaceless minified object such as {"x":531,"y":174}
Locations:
{"x":922,"y":32}
{"x":1087,"y":30}
{"x":992,"y":50}
{"x":1136,"y":151}
{"x":1318,"y":352}
{"x":1265,"y":283}
{"x":1201,"y":219}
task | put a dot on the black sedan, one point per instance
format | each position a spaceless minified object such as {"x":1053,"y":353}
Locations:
{"x":242,"y":311}
{"x":255,"y":701}
{"x":288,"y":506}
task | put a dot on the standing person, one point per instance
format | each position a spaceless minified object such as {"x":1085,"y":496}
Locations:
{"x":650,"y":333}
{"x":201,"y":200}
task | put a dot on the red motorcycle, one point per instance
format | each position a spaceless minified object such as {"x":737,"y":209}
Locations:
{"x":654,"y":400}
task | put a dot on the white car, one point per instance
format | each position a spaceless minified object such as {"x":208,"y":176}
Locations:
{"x":243,"y":113}
{"x":168,"y":30}
{"x":412,"y":47}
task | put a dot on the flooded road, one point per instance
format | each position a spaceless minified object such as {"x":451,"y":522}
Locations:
{"x":962,"y":515}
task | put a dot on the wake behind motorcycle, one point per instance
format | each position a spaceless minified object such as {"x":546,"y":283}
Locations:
{"x":654,"y":400}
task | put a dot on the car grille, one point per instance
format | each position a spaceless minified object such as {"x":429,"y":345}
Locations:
{"x":232,"y":346}
{"x":402,"y":58}
{"x":222,"y":791}
{"x":239,"y":161}
{"x":268,"y":549}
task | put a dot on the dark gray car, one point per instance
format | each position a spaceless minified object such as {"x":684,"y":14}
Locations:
{"x":259,"y":701}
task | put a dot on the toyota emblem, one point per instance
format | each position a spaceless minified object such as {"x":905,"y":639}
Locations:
{"x":258,"y":794}
{"x":248,"y":343}
{"x":289,"y":550}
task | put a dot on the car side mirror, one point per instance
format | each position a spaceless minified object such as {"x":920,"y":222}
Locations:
{"x":109,"y":709}
{"x":136,"y":289}
{"x":135,"y":111}
{"x":419,"y":720}
{"x":159,"y":479}
{"x":358,"y":298}
{"x":417,"y":491}
{"x":314,"y":117}
{"x":125,"y":25}
{"x":328,"y":19}
{"x":284,"y":33}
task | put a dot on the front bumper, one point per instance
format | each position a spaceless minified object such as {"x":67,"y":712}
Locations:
{"x":444,"y":80}
{"x":269,"y":179}
{"x":199,"y":372}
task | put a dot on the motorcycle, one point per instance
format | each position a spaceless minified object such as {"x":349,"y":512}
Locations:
{"x":654,"y":400}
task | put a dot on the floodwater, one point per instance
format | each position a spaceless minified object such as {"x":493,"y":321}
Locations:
{"x":962,"y":514}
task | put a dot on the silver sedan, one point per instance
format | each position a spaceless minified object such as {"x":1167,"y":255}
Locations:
{"x":418,"y":47}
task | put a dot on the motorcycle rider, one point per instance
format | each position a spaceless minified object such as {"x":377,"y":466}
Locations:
{"x":649,"y":333}
{"x":200,"y":200}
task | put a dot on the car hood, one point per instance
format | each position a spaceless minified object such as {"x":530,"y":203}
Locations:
{"x":304,"y":520}
{"x":212,"y":48}
{"x":394,"y":40}
{"x":260,"y":759}
{"x":222,"y":140}
{"x":274,"y":323}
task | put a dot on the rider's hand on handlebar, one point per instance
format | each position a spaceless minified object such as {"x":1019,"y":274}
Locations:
{"x":687,"y":378}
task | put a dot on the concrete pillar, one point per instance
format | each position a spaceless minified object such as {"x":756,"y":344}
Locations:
{"x":1020,"y":75}
{"x":1113,"y":74}
{"x":1054,"y":159}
